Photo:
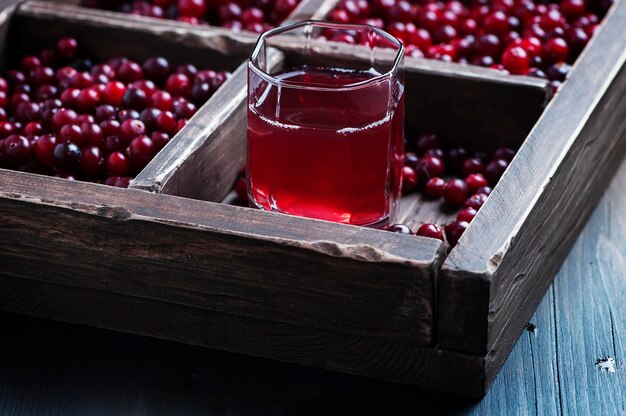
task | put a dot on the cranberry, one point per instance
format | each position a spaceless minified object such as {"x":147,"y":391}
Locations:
{"x":160,"y":139}
{"x":67,"y":156}
{"x":454,"y":231}
{"x":156,"y":69}
{"x":399,"y":228}
{"x":135,"y":99}
{"x":45,"y":92}
{"x":67,"y":48}
{"x":466,"y":214}
{"x":457,"y":157}
{"x":495,"y":169}
{"x":473,"y":165}
{"x":516,"y":60}
{"x":409,"y":179}
{"x":284,"y":7}
{"x":455,"y":192}
{"x":4,"y":85}
{"x":166,"y":122}
{"x":63,"y":117}
{"x":110,"y":127}
{"x":87,"y":100}
{"x":141,"y":151}
{"x":44,"y":148}
{"x":129,"y":71}
{"x":430,"y":167}
{"x":71,"y":133}
{"x":26,"y":112}
{"x":430,"y":231}
{"x":149,"y":118}
{"x":192,"y":8}
{"x":200,"y":93}
{"x":16,"y":150}
{"x":33,"y":129}
{"x":81,"y":80}
{"x":117,"y":164}
{"x":178,"y":85}
{"x":92,"y":163}
{"x":555,"y":50}
{"x":113,"y":144}
{"x":252,"y":15}
{"x":92,"y":134}
{"x":105,"y":112}
{"x":475,"y":181}
{"x":114,"y":93}
{"x":146,"y":86}
{"x":410,"y":159}
{"x":434,"y":187}
{"x":559,"y":71}
{"x":162,"y":100}
{"x":131,"y":129}
{"x":69,"y":97}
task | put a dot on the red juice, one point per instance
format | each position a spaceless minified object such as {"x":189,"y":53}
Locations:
{"x":330,"y":152}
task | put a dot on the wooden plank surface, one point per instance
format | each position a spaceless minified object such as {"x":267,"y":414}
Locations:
{"x":49,"y":368}
{"x":218,"y":257}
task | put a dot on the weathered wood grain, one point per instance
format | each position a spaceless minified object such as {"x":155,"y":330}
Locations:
{"x":512,"y":250}
{"x":53,"y":368}
{"x":231,"y":259}
{"x":372,"y":357}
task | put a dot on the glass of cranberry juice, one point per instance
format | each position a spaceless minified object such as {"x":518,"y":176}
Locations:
{"x":325,"y":122}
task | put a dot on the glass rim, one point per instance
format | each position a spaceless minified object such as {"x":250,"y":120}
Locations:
{"x":332,"y":25}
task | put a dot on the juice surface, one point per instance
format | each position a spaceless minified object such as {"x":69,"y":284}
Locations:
{"x":327,"y":154}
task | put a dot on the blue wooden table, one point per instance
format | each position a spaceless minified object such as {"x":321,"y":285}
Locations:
{"x":570,"y":361}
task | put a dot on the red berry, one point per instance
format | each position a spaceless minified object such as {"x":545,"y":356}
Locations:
{"x":455,"y":192}
{"x":475,"y":181}
{"x":555,"y":50}
{"x":44,"y":148}
{"x":466,"y":214}
{"x":454,"y":231}
{"x":409,"y":179}
{"x":430,"y":231}
{"x":192,"y":8}
{"x":117,"y":164}
{"x":113,"y":93}
{"x":129,"y":71}
{"x":130,"y":129}
{"x":178,"y":85}
{"x":67,"y":156}
{"x":67,"y":48}
{"x":63,"y":117}
{"x":495,"y":169}
{"x":475,"y":201}
{"x":473,"y":165}
{"x":516,"y":60}
{"x":141,"y":151}
{"x":16,"y":149}
{"x":430,"y":167}
{"x":399,"y":228}
{"x":434,"y":187}
{"x":71,"y":133}
{"x":166,"y":122}
{"x":92,"y":163}
{"x":87,"y":100}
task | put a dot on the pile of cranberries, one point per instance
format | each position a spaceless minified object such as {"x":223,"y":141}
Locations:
{"x":540,"y":38}
{"x":461,"y":178}
{"x":255,"y":16}
{"x":63,"y":115}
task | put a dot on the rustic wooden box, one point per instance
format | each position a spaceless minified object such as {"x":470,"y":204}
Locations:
{"x":175,"y":263}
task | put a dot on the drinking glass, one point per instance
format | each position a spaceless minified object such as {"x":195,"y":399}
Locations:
{"x":326,"y":122}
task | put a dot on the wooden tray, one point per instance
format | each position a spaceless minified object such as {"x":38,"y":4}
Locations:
{"x":345,"y":298}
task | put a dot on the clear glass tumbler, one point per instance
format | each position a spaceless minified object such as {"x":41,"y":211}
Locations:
{"x":326,"y":122}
